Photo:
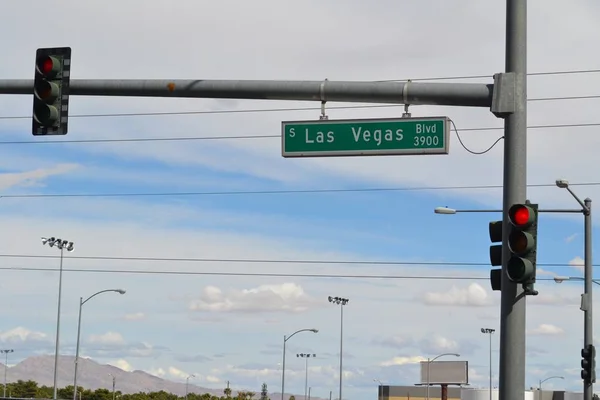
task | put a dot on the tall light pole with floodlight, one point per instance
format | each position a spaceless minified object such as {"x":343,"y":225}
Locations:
{"x":62,"y":245}
{"x":342,"y":302}
{"x":489,"y":331}
{"x":6,"y":351}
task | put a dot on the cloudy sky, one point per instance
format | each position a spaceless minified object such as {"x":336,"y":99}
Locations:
{"x":221,"y":280}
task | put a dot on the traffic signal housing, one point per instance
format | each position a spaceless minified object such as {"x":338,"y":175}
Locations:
{"x":522,"y":244}
{"x":588,"y":364}
{"x":51,"y":91}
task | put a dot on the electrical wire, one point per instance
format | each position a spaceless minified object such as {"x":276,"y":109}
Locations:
{"x":258,"y":274}
{"x":271,"y":261}
{"x":239,"y":137}
{"x":264,"y":110}
{"x":547,"y":73}
{"x":291,"y":191}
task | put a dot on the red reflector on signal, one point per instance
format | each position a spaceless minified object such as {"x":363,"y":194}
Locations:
{"x":521,"y":216}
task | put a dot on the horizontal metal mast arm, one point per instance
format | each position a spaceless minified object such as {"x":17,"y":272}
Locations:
{"x":447,"y":94}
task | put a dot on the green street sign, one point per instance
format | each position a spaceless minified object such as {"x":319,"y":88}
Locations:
{"x":370,"y":137}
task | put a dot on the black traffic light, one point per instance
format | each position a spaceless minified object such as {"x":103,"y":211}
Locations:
{"x":588,"y":364}
{"x":522,"y":244}
{"x":496,"y":254}
{"x":51,"y":91}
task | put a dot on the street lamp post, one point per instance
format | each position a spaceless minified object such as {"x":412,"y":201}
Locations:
{"x":187,"y":382}
{"x":342,"y":302}
{"x":6,"y":351}
{"x":113,"y":385}
{"x":429,"y":363}
{"x":61,"y":244}
{"x":81,"y":303}
{"x":544,"y":380}
{"x":586,"y":299}
{"x":285,"y":339}
{"x":307,"y":356}
{"x":489,"y":331}
{"x":379,"y":389}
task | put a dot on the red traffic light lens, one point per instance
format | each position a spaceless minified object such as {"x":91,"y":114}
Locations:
{"x":521,"y":216}
{"x":46,"y":65}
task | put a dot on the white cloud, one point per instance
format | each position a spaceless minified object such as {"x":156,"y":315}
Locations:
{"x":122,"y":364}
{"x":110,"y":338}
{"x":546,"y":330}
{"x":403,"y":361}
{"x":473,"y":295}
{"x":177,"y":373}
{"x":34,"y":177}
{"x":286,"y":297}
{"x":578,"y":263}
{"x":439,"y":344}
{"x":134,"y":316}
{"x":20,"y":334}
{"x":572,"y":237}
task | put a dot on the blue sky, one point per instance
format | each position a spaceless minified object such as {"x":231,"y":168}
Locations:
{"x":236,"y":323}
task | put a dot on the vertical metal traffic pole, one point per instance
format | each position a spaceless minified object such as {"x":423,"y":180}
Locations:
{"x":588,"y":336}
{"x":512,"y":308}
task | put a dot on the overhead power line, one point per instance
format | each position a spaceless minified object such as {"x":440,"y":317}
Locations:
{"x":258,"y":274}
{"x":239,"y":137}
{"x":265,"y":110}
{"x":272,"y":192}
{"x":547,"y":73}
{"x":273,"y":261}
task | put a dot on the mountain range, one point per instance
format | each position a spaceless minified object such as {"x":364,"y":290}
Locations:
{"x":92,"y":375}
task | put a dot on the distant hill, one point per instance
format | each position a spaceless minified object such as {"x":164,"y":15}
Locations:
{"x":92,"y":375}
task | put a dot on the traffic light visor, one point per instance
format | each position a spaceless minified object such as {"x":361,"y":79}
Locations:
{"x":521,"y":215}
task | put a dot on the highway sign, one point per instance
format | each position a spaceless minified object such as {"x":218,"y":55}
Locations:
{"x":365,"y":137}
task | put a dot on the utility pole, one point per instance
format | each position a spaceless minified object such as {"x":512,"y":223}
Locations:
{"x":512,"y":301}
{"x":506,"y":98}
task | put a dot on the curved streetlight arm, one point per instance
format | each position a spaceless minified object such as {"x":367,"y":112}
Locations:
{"x":298,"y":331}
{"x":445,"y":354}
{"x":551,"y":377}
{"x":120,"y":291}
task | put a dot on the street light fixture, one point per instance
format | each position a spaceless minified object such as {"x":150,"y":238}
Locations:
{"x":285,"y":339}
{"x":561,"y":279}
{"x":187,"y":382}
{"x":544,"y":380}
{"x":586,"y":298}
{"x":113,"y":385}
{"x":380,"y":389}
{"x":307,"y":356}
{"x":6,"y":351}
{"x":432,"y":360}
{"x":81,"y":303}
{"x":489,"y":331}
{"x":342,"y":302}
{"x":62,"y":245}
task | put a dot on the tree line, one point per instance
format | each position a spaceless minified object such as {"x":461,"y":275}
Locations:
{"x":31,"y":390}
